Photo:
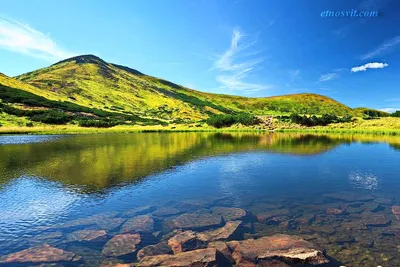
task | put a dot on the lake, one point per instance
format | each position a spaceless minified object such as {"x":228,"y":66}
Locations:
{"x":77,"y":192}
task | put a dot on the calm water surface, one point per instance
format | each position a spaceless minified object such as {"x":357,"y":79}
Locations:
{"x":51,"y":185}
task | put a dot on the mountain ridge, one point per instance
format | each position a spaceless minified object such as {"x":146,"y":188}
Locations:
{"x":89,"y":82}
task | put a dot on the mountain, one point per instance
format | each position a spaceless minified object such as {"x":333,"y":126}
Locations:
{"x":88,"y":84}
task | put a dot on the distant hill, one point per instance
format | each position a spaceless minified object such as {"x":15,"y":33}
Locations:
{"x":89,"y":82}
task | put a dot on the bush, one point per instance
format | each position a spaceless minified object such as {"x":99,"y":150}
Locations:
{"x":396,"y":114}
{"x":318,"y":121}
{"x":52,"y":117}
{"x":226,"y":120}
{"x":97,"y":123}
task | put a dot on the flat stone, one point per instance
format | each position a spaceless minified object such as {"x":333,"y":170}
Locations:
{"x":138,"y":211}
{"x":229,"y":214}
{"x":373,"y":219}
{"x":122,"y":244}
{"x":266,"y":215}
{"x":341,"y":238}
{"x":223,"y":233}
{"x":223,"y":248}
{"x":370,"y":207}
{"x":305,"y":219}
{"x":41,"y":254}
{"x":396,"y":211}
{"x":349,"y":196}
{"x":185,"y":241}
{"x":166,"y":211}
{"x":91,"y":220}
{"x":86,"y":235}
{"x":208,"y":257}
{"x":195,"y":221}
{"x":117,"y":265}
{"x":110,"y":223}
{"x":334,"y":211}
{"x":277,"y":247}
{"x":141,"y":223}
{"x":272,"y":263}
{"x":152,"y":250}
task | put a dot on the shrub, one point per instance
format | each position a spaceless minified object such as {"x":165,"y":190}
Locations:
{"x":396,"y":114}
{"x":318,"y":121}
{"x":52,"y":117}
{"x":97,"y":123}
{"x":226,"y":120}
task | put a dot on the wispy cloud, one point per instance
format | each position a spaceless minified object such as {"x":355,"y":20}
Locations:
{"x":294,"y":74}
{"x":21,"y":38}
{"x":372,"y":65}
{"x":385,"y":47}
{"x":236,"y":64}
{"x":389,"y":110}
{"x":328,"y":76}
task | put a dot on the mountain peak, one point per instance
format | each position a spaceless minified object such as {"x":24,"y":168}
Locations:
{"x":82,"y":59}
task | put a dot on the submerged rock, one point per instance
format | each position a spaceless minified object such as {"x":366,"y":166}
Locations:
{"x":41,"y":254}
{"x":334,"y":211}
{"x":122,"y":244}
{"x":166,"y":211}
{"x":110,"y":223}
{"x":197,"y":220}
{"x":277,"y":247}
{"x":229,"y":214}
{"x":86,"y":235}
{"x":138,"y":211}
{"x":208,"y":257}
{"x":349,"y":196}
{"x":152,"y":250}
{"x":396,"y":211}
{"x":185,"y":241}
{"x":141,"y":223}
{"x":223,"y":233}
{"x":373,"y":219}
{"x":267,"y":215}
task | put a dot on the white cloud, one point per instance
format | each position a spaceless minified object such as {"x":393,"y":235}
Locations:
{"x":328,"y":76}
{"x":21,"y":38}
{"x":235,"y":66}
{"x":392,"y":43}
{"x":389,"y":110}
{"x":372,"y":65}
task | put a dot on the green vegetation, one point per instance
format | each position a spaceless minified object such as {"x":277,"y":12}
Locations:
{"x":396,"y":114}
{"x":315,"y":121}
{"x":226,"y":120}
{"x":86,"y":91}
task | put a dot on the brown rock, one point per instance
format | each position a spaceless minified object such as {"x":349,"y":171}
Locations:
{"x":117,"y":265}
{"x":229,"y":214}
{"x":185,"y":241}
{"x":197,"y":220}
{"x":225,"y":232}
{"x":86,"y":235}
{"x":272,"y":263}
{"x":138,"y":211}
{"x":208,"y":257}
{"x":110,"y":223}
{"x":373,"y":219}
{"x":396,"y":211}
{"x":334,"y":211}
{"x":223,"y":248}
{"x":152,"y":250}
{"x":166,"y":211}
{"x":267,"y":215}
{"x":42,"y":254}
{"x":141,"y":223}
{"x":277,"y":247}
{"x":120,"y":245}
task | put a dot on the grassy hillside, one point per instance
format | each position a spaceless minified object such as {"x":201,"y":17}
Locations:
{"x":92,"y":82}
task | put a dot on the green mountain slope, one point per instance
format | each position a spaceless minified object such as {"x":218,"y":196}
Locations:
{"x":89,"y":81}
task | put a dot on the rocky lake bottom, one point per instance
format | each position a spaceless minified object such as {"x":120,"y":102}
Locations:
{"x":250,"y":208}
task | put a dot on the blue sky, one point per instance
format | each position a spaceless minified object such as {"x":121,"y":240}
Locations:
{"x":250,"y":48}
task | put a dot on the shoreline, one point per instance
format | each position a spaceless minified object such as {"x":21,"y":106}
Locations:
{"x":60,"y":130}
